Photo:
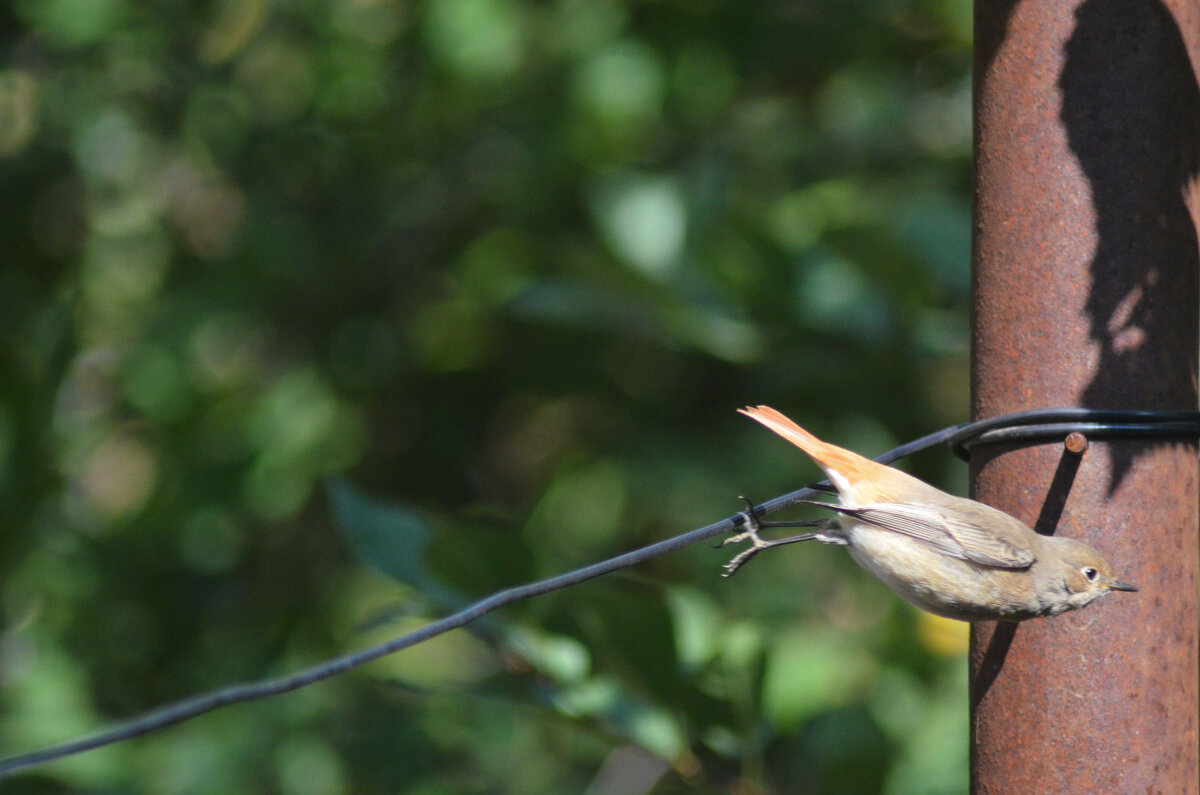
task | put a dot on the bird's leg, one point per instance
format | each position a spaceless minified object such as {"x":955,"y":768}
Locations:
{"x":752,"y":525}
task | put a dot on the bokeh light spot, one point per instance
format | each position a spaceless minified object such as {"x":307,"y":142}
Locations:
{"x":118,"y":477}
{"x":622,"y":84}
{"x":308,"y":766}
{"x":157,"y":384}
{"x":477,"y":39}
{"x":18,"y":110}
{"x":73,"y":22}
{"x":644,"y":221}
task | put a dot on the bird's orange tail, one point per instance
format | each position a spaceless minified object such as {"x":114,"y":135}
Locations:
{"x":859,"y":480}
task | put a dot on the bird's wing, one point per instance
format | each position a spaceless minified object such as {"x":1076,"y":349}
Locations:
{"x":956,"y":529}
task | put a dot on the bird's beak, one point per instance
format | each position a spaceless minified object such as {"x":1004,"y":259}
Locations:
{"x":1117,"y":585}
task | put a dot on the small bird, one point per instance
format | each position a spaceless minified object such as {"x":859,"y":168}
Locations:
{"x":951,"y":556}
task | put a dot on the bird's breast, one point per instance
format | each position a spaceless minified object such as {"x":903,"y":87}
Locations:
{"x":939,"y":583}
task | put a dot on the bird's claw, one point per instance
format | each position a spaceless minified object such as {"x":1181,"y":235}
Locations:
{"x":752,"y":525}
{"x":826,"y":534}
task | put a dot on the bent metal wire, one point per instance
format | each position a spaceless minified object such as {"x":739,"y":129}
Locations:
{"x":1048,"y":425}
{"x":1024,"y":427}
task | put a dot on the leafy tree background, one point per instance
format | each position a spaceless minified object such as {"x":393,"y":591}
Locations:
{"x":319,"y":317}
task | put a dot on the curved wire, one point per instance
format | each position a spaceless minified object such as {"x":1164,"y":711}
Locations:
{"x":1043,"y":425}
{"x":1025,"y":426}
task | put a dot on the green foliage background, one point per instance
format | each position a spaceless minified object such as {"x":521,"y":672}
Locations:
{"x":319,"y":317}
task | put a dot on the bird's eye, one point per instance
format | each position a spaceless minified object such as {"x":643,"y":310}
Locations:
{"x":1090,"y":573}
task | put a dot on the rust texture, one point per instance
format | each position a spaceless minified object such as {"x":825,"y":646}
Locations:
{"x":1085,"y":290}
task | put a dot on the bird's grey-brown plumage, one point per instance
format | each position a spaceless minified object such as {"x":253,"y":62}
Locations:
{"x":954,"y":529}
{"x":948,"y":555}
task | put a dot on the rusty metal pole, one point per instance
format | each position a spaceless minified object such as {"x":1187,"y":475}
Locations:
{"x":1085,"y":290}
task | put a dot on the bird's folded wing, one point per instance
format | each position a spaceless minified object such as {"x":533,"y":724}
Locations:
{"x":956,"y":530}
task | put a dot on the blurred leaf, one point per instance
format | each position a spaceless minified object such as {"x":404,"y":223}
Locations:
{"x":389,"y":538}
{"x":478,"y":39}
{"x":810,"y":671}
{"x":629,"y":632}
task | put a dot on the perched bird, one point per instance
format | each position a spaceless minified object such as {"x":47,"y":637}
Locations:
{"x":951,"y":556}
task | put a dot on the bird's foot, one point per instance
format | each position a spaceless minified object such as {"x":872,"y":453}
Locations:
{"x":751,"y":524}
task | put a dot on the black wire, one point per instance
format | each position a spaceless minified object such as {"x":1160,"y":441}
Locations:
{"x":1038,"y":424}
{"x":184,"y":709}
{"x":1044,"y":425}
